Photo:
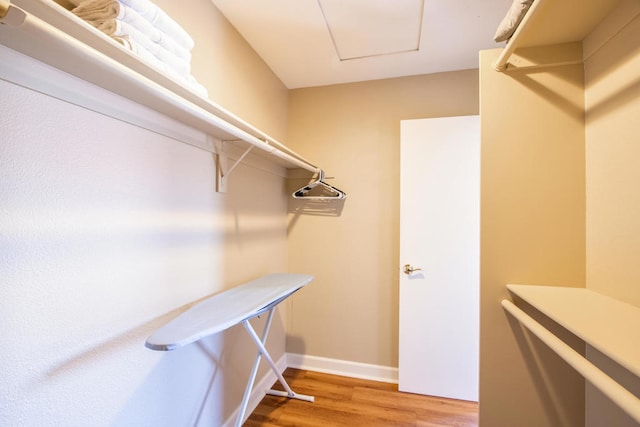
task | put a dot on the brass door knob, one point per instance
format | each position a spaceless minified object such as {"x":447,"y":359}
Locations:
{"x":408,"y":269}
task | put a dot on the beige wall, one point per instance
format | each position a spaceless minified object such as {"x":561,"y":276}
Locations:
{"x":350,"y":312}
{"x":613,"y":174}
{"x":532,"y":232}
{"x":613,"y":200}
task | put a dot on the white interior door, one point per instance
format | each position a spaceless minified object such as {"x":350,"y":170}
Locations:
{"x":440,"y":235}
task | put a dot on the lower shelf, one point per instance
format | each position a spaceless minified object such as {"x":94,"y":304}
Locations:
{"x":607,"y":325}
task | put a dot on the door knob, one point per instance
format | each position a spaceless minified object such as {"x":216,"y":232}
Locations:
{"x":408,"y":269}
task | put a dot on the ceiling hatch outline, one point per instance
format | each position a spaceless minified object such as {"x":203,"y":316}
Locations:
{"x":368,"y":28}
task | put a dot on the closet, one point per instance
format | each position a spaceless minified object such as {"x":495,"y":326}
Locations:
{"x":558,"y":161}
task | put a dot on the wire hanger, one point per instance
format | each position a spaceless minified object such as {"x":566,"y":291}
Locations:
{"x":333,"y":192}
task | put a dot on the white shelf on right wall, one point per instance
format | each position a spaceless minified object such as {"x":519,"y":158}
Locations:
{"x":553,"y":22}
{"x":610,"y":326}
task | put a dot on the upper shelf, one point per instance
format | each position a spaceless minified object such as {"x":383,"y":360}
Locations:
{"x":608,"y":325}
{"x":563,"y":21}
{"x":52,"y":35}
{"x":552,"y":22}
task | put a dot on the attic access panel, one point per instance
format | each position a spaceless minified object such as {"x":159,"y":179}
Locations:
{"x":363,"y":28}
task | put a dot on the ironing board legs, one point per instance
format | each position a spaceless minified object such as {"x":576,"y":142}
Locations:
{"x":262,"y":351}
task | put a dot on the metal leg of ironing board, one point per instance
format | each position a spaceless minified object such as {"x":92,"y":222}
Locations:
{"x":262,"y":351}
{"x":254,"y":370}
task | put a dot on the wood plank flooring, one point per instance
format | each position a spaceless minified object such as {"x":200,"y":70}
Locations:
{"x":342,"y":401}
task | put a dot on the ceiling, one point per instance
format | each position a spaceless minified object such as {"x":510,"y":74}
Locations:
{"x":321,"y":42}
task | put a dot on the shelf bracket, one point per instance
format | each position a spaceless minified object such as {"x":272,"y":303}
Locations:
{"x":222,"y":169}
{"x":532,"y":58}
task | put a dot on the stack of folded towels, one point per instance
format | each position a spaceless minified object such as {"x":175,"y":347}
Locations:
{"x":146,"y":30}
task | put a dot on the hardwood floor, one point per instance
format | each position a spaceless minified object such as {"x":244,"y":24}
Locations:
{"x":343,"y":401}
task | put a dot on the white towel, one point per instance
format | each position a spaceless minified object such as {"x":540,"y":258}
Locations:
{"x":188,"y":81}
{"x":161,"y":20}
{"x":512,"y":19}
{"x":157,"y":26}
{"x":129,"y":21}
{"x":162,"y":45}
{"x":125,"y":31}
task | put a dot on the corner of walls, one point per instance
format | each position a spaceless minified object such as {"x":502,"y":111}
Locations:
{"x":612,"y":98}
{"x":612,"y":105}
{"x":532,"y":232}
{"x":233,"y":73}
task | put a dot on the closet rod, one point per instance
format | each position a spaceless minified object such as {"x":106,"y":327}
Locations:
{"x":512,"y":44}
{"x":619,"y":395}
{"x":44,"y":37}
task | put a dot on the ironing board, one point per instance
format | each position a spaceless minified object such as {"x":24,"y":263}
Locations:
{"x":227,"y":309}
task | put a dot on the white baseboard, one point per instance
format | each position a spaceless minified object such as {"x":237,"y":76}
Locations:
{"x":258,"y":392}
{"x":346,"y":368}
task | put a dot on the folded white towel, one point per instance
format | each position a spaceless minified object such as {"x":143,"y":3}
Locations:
{"x":156,"y":23}
{"x":131,"y":19}
{"x":121,"y":21}
{"x":151,"y":60}
{"x":125,"y":31}
{"x":161,"y":20}
{"x":162,"y":45}
{"x":164,"y":50}
{"x":512,"y":19}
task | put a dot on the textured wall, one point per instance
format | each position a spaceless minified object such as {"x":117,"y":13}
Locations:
{"x":107,"y":231}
